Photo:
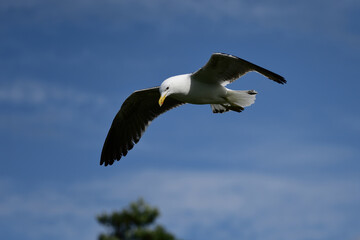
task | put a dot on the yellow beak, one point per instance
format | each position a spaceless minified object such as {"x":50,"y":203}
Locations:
{"x":162,"y":99}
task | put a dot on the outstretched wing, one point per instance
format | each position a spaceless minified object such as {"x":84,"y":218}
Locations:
{"x":224,"y":69}
{"x":135,"y":114}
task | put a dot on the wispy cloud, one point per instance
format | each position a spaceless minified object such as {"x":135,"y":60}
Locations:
{"x":329,"y":17}
{"x":38,"y":109}
{"x":248,"y":205}
{"x":46,"y":212}
{"x":41,"y":93}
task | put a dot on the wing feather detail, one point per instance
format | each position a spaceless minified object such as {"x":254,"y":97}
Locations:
{"x":224,"y":68}
{"x":135,"y":114}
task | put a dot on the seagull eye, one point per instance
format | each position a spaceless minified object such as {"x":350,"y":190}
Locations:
{"x":167,"y":88}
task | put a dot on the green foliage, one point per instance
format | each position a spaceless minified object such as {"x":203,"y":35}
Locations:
{"x":133,"y":223}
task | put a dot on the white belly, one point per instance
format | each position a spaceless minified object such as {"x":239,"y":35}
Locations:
{"x":203,"y":93}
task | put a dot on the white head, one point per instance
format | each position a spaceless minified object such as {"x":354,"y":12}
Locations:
{"x":173,"y":85}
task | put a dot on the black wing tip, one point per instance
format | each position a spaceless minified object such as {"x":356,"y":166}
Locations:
{"x":111,"y":153}
{"x":280,"y":80}
{"x":109,"y":156}
{"x":106,"y":161}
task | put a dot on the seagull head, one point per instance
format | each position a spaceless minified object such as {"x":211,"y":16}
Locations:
{"x":165,"y":90}
{"x":178,"y":85}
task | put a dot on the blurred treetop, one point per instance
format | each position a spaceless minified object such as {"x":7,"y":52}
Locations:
{"x":136,"y":222}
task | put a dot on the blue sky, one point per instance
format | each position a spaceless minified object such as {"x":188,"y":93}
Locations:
{"x":285,"y":168}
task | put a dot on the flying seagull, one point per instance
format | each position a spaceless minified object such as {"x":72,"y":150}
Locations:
{"x":205,"y":86}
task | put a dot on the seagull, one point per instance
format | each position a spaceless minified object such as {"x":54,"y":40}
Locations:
{"x":205,"y":86}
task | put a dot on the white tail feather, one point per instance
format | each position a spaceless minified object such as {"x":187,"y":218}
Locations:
{"x":241,"y":98}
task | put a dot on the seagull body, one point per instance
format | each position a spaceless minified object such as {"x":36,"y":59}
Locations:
{"x":185,"y":89}
{"x":205,"y":86}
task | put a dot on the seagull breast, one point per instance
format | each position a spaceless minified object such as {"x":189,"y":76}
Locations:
{"x":189,"y":90}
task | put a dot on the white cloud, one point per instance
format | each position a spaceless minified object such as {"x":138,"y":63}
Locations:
{"x":326,"y":17}
{"x":37,"y":92}
{"x":195,"y":203}
{"x":21,"y":92}
{"x":48,"y":111}
{"x":267,"y":203}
